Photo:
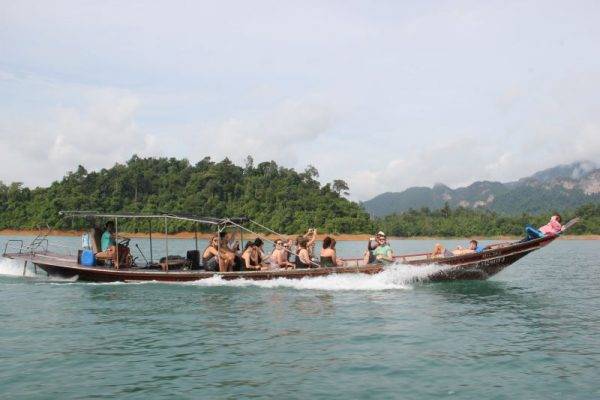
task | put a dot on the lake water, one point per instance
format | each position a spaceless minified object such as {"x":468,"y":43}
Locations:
{"x":533,"y":332}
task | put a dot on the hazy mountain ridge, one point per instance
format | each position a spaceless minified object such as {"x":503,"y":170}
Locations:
{"x":558,"y":188}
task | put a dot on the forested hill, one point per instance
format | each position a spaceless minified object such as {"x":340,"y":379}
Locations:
{"x":278,"y":197}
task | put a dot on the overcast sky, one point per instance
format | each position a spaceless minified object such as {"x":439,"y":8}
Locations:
{"x":384,"y":95}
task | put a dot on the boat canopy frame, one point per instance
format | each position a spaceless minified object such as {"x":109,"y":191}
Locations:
{"x":220,"y":223}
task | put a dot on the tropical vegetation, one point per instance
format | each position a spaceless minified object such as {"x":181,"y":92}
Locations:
{"x":466,"y":222}
{"x":280,"y":198}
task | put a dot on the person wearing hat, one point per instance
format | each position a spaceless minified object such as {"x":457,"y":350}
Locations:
{"x":378,"y":250}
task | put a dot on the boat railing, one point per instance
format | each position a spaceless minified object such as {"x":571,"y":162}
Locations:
{"x":17,"y":244}
{"x":413,"y":257}
{"x":38,"y":246}
{"x":401,"y":258}
{"x":498,"y":245}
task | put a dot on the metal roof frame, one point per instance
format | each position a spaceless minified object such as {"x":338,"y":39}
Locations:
{"x":179,"y":217}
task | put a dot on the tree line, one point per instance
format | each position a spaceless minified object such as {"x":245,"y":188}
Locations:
{"x":281,"y":198}
{"x":466,"y":222}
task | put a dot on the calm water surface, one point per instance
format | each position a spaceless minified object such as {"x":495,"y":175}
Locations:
{"x":530,"y":332}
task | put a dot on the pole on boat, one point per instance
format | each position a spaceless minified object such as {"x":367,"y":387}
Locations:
{"x":166,"y":245}
{"x":151,"y":258}
{"x":24,"y":268}
{"x":117,"y":241}
{"x":196,"y":234}
{"x":241,"y":240}
{"x":219,"y":246}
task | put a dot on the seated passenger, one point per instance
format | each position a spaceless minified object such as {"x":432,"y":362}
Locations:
{"x":551,"y":228}
{"x":372,"y":244}
{"x":108,"y":243}
{"x":233,"y":245}
{"x":473,"y":248}
{"x":218,"y":256}
{"x":383,"y":253}
{"x":250,"y":257}
{"x":210,"y":257}
{"x":288,"y":249}
{"x":440,"y":251}
{"x":328,"y":254}
{"x":259,"y":252}
{"x":110,"y":249}
{"x":302,"y":257}
{"x":279,"y":257}
{"x":311,"y":236}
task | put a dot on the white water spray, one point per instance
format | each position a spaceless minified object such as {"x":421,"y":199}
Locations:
{"x":393,"y":277}
{"x":10,"y":267}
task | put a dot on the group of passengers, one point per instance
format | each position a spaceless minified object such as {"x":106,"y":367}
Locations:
{"x":222,"y":254}
{"x":552,"y":228}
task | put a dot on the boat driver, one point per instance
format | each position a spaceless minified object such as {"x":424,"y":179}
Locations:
{"x":108,"y":242}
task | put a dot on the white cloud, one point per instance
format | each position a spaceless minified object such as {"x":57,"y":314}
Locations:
{"x":280,"y":134}
{"x":96,"y":134}
{"x":453,"y":162}
{"x":557,"y":124}
{"x":408,"y":94}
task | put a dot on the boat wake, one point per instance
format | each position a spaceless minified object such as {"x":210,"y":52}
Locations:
{"x":394,"y":277}
{"x":10,"y":267}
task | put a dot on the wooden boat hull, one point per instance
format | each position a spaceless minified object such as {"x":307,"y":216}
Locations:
{"x":465,"y":267}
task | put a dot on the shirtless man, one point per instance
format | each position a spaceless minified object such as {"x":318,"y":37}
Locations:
{"x":279,"y":257}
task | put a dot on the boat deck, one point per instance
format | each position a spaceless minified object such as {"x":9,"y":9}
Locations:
{"x":67,"y":266}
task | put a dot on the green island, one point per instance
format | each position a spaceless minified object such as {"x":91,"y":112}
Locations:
{"x":281,"y":198}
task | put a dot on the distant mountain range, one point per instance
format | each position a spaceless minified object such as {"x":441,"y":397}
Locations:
{"x":559,"y":188}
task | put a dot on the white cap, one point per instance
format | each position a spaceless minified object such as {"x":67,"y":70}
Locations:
{"x":380,"y":233}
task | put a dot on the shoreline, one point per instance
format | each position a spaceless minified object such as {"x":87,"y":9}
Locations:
{"x":341,"y":237}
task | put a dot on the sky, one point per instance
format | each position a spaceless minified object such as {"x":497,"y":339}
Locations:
{"x":382,"y":94}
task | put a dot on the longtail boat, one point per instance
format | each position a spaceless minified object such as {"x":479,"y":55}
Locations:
{"x":472,"y":266}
